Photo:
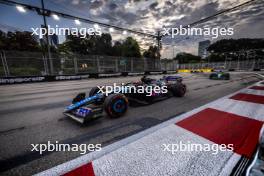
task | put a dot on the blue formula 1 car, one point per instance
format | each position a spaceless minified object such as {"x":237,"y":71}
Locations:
{"x":115,"y":104}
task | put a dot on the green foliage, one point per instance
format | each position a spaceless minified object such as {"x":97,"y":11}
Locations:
{"x":91,"y":45}
{"x":215,"y":57}
{"x":131,"y":48}
{"x":2,"y":72}
{"x":20,"y":41}
{"x":152,"y":52}
{"x":24,"y":71}
{"x":232,"y":45}
{"x":235,"y":49}
{"x":187,"y":58}
{"x":118,"y":49}
{"x":100,"y":45}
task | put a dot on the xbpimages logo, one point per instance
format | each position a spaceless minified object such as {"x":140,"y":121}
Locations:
{"x":215,"y":32}
{"x":149,"y":90}
{"x":62,"y":31}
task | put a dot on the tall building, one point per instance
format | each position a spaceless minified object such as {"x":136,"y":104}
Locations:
{"x":202,"y":48}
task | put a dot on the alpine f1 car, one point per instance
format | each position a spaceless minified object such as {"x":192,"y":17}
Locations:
{"x":219,"y":75}
{"x":115,"y":104}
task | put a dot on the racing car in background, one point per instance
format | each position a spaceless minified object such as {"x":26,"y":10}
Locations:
{"x":219,"y":75}
{"x":115,"y":105}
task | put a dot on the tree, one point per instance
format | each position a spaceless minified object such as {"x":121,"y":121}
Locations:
{"x":3,"y":39}
{"x":233,"y":45}
{"x":100,"y":45}
{"x":235,"y":49}
{"x":76,"y":44}
{"x":117,"y":49}
{"x":187,"y":58}
{"x":20,"y":41}
{"x":130,"y":48}
{"x":215,"y":57}
{"x":152,"y":52}
{"x":103,"y":45}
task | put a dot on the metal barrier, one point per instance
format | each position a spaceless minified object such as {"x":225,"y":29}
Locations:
{"x":24,"y":63}
{"x":228,"y":65}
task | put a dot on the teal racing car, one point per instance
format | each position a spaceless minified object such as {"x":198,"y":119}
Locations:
{"x":219,"y":75}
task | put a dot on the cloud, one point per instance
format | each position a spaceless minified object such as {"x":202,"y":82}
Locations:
{"x":153,"y":6}
{"x":112,"y":6}
{"x":96,"y":4}
{"x":151,"y":15}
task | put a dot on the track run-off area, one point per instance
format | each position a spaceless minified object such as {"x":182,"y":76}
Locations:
{"x":32,"y":114}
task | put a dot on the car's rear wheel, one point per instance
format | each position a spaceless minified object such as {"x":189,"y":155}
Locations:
{"x":178,"y":90}
{"x":226,"y":76}
{"x":116,"y":105}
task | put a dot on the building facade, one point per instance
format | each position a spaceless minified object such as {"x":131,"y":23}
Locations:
{"x":202,"y":48}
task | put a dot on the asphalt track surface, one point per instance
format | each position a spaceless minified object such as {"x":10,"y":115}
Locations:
{"x":32,"y":114}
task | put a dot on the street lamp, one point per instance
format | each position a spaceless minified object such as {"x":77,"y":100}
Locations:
{"x":96,"y":26}
{"x":77,"y":21}
{"x":55,"y":17}
{"x":21,"y":9}
{"x":111,"y":29}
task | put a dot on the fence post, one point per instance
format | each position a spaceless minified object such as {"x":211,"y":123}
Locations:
{"x":116,"y":65}
{"x":75,"y":65}
{"x":2,"y":59}
{"x":46,"y":69}
{"x":126,"y":65}
{"x":132,"y":65}
{"x":253,"y":64}
{"x":5,"y":65}
{"x":144,"y":64}
{"x":98,"y":64}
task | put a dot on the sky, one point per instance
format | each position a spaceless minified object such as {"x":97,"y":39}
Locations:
{"x":147,"y":16}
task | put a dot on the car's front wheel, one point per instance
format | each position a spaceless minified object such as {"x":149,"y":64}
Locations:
{"x":116,"y":105}
{"x":93,"y":91}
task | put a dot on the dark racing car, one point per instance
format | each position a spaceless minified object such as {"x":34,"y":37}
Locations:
{"x":219,"y":75}
{"x":115,"y":104}
{"x":174,"y":86}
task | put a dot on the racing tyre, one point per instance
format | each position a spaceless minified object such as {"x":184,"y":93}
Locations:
{"x":185,"y":88}
{"x":93,"y":91}
{"x":178,"y":90}
{"x":226,"y":76}
{"x":116,"y":105}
